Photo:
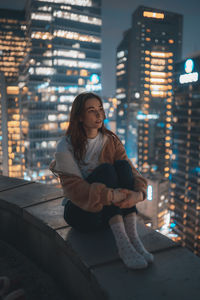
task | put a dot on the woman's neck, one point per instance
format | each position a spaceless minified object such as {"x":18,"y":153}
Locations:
{"x":91,"y":133}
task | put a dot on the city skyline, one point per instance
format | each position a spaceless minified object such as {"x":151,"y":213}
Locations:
{"x":116,"y":17}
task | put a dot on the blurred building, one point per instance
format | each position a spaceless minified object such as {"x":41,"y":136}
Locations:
{"x":110,"y":108}
{"x":64,"y":59}
{"x":144,"y":70}
{"x":155,"y":207}
{"x":13,"y":47}
{"x":12,"y":42}
{"x":3,"y":127}
{"x":185,"y":166}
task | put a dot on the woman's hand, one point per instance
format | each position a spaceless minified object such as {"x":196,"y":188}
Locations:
{"x":132,"y":198}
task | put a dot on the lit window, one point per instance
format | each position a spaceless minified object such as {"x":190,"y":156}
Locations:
{"x":77,"y":17}
{"x":150,"y":14}
{"x":41,"y":16}
{"x":76,"y":36}
{"x":161,"y":54}
{"x":72,"y":2}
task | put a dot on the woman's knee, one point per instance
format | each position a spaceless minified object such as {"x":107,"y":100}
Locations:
{"x":124,"y":173}
{"x":107,"y":168}
{"x":104,"y":173}
{"x":122,"y":165}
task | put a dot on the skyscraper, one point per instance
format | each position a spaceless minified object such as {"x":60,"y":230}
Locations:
{"x":13,"y":47}
{"x":144,"y":70}
{"x":12,"y":43}
{"x":185,"y":166}
{"x":65,"y":59}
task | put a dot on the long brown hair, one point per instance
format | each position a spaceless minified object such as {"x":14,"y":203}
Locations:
{"x":76,"y":130}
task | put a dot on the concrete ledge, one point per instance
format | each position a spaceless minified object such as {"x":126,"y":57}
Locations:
{"x":31,"y":219}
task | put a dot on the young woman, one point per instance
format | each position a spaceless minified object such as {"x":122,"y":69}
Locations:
{"x":100,"y":182}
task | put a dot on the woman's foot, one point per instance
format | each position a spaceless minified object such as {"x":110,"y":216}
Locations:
{"x":131,"y":258}
{"x":131,"y":229}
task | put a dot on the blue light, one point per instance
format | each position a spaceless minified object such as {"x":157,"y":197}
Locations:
{"x":189,"y":66}
{"x":197,"y":169}
{"x":106,"y":121}
{"x":94,"y":78}
{"x":172,"y":225}
{"x":0,"y":138}
{"x":149,"y":192}
{"x":161,"y":124}
{"x":155,"y":167}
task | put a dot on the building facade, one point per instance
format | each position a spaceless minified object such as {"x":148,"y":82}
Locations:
{"x":13,"y":47}
{"x":144,"y":70}
{"x":64,"y":37}
{"x":155,"y":207}
{"x":185,"y":166}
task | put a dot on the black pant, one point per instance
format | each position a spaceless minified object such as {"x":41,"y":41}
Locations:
{"x":118,"y":175}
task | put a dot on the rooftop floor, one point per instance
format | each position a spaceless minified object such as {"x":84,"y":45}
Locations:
{"x":88,"y":265}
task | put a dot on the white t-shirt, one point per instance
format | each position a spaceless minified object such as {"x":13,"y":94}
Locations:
{"x":93,"y":150}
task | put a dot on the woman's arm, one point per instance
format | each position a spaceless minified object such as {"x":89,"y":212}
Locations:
{"x":140,"y":184}
{"x":90,"y":197}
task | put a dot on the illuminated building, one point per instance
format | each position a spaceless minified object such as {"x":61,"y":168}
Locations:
{"x":3,"y":127}
{"x":110,"y":108}
{"x":155,"y":208}
{"x":13,"y":47}
{"x":64,"y":59}
{"x":185,"y":165}
{"x":12,"y":43}
{"x":144,"y":69}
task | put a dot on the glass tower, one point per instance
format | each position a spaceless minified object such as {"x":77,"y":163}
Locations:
{"x":185,"y":165}
{"x":144,"y":70}
{"x":64,"y":37}
{"x":13,"y":47}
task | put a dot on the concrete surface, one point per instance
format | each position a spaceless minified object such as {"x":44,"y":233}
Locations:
{"x":87,"y":266}
{"x":37,"y":284}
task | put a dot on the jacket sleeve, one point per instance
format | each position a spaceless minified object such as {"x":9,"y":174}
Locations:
{"x":140,"y":183}
{"x":90,"y":197}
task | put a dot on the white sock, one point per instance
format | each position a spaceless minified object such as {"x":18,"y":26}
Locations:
{"x":127,"y":252}
{"x":130,"y":222}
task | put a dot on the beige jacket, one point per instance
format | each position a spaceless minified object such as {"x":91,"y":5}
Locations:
{"x":92,"y":197}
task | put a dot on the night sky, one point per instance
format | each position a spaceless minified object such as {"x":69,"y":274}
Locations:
{"x":116,"y":16}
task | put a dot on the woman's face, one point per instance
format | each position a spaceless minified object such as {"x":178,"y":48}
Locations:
{"x":93,"y":115}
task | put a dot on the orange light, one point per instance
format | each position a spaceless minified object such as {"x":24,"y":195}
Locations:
{"x":171,"y":41}
{"x":150,"y":14}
